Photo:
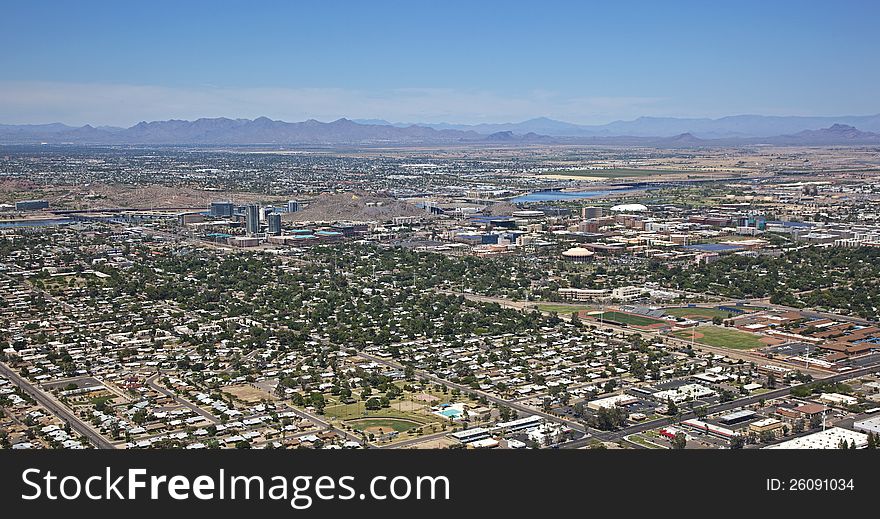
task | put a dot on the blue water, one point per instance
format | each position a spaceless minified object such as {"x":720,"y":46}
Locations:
{"x":450,"y":413}
{"x":35,"y":223}
{"x":552,"y":196}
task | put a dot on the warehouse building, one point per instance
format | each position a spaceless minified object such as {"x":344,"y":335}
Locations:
{"x":827,"y":439}
{"x":869,"y":425}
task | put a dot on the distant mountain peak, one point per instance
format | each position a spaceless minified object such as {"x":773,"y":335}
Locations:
{"x":501,"y":136}
{"x":659,"y":131}
{"x":838,"y":129}
{"x":843,"y":128}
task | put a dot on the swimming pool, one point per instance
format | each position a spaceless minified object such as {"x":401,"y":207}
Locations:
{"x":450,"y":412}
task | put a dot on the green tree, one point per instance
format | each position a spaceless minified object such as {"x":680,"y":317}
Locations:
{"x":679,"y":441}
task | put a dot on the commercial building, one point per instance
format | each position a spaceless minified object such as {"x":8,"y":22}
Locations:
{"x":737,"y":417}
{"x":626,"y":293}
{"x":710,"y":428}
{"x":582,"y":294}
{"x":827,"y":439}
{"x":243,"y":241}
{"x":252,"y":219}
{"x":221,"y":209}
{"x":868,"y":425}
{"x":31,"y":205}
{"x":293,"y":206}
{"x":274,"y":222}
{"x":612,"y":402}
{"x":190,"y":218}
{"x":838,"y":399}
{"x":767,"y":425}
{"x":471,"y":435}
{"x":519,"y":424}
{"x":685,"y":392}
{"x":590,"y":212}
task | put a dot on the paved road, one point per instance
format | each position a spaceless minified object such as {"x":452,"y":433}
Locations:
{"x":718,"y":408}
{"x":745,"y":355}
{"x":467,"y":389}
{"x":57,"y":408}
{"x":151,"y":381}
{"x":415,"y":441}
{"x":44,"y":293}
{"x":327,"y":425}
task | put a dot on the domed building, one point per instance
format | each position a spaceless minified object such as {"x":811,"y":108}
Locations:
{"x":578,"y":255}
{"x":629,"y":208}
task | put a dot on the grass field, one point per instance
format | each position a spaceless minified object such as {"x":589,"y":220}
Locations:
{"x":102,"y":400}
{"x":386,"y":424}
{"x":562,"y":308}
{"x":399,"y":409}
{"x":644,"y":442}
{"x":722,"y":338}
{"x":630,"y":319}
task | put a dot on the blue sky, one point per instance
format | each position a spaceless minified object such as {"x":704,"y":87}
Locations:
{"x":588,"y":62}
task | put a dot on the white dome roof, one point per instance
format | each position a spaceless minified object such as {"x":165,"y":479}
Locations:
{"x":577,"y":252}
{"x":637,"y":208}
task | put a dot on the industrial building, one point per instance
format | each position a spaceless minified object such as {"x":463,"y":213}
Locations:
{"x":868,"y":425}
{"x":827,"y":439}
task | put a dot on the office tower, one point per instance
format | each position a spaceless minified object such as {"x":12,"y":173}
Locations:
{"x":220,"y":209}
{"x":591,"y":212}
{"x":253,"y":219}
{"x":274,"y":220}
{"x":293,"y":206}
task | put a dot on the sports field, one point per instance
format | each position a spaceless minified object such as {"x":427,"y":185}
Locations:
{"x":562,"y":308}
{"x":697,"y":313}
{"x":385,"y":424}
{"x":630,"y":319}
{"x":722,"y":337}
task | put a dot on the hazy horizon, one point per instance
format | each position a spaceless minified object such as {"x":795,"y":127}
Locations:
{"x":88,"y":63}
{"x":376,"y":120}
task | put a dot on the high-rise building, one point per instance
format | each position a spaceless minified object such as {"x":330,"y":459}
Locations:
{"x":274,"y":220}
{"x":591,"y":212}
{"x":220,"y":209}
{"x":252,"y":221}
{"x":293,"y":206}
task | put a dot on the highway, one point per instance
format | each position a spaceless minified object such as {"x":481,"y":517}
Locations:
{"x":57,"y":408}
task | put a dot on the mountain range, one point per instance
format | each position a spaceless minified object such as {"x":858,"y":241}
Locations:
{"x":737,"y":126}
{"x":644,"y":131}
